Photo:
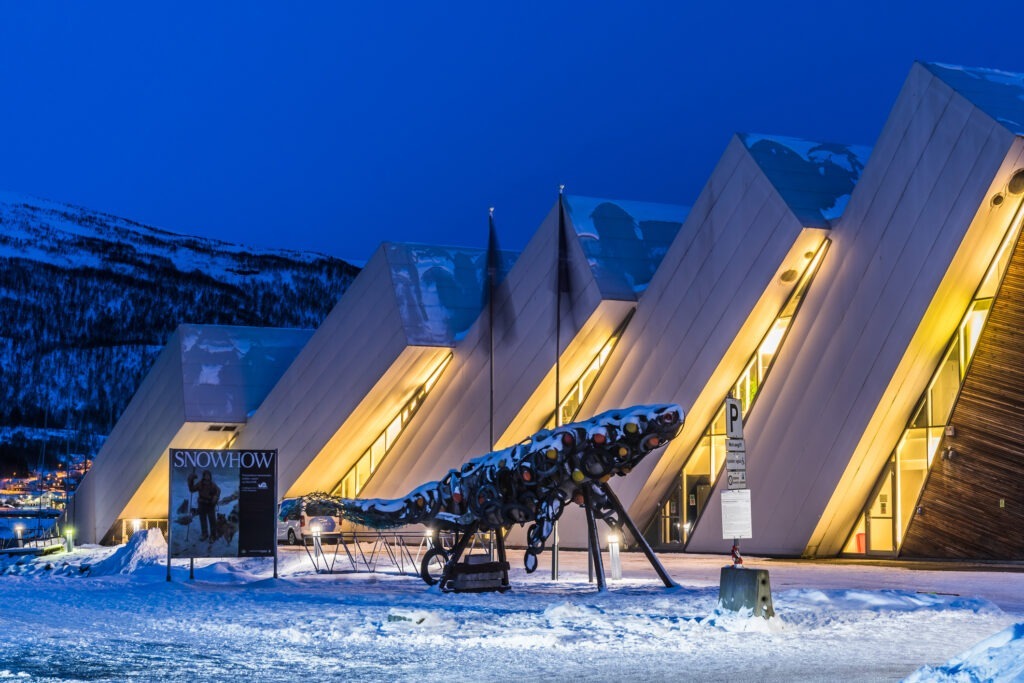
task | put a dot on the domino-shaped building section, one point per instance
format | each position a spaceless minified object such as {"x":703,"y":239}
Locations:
{"x":863,"y":304}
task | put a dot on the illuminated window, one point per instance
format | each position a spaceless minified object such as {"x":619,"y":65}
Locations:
{"x":884,"y":520}
{"x":570,"y":406}
{"x":352,"y":484}
{"x":678,"y":513}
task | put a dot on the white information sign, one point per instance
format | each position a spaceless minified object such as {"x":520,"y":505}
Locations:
{"x":736,"y":461}
{"x":736,"y":479}
{"x":736,"y":517}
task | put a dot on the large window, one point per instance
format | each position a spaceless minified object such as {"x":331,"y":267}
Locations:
{"x":678,"y":513}
{"x":882,"y":523}
{"x":573,"y":400}
{"x":352,"y":484}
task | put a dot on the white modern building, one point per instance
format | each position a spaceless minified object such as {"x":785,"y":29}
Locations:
{"x":863,"y":304}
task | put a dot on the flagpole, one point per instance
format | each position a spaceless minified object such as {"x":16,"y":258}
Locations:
{"x":560,"y":285}
{"x":491,"y":276}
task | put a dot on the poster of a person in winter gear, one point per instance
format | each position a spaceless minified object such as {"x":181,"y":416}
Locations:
{"x":223,"y":503}
{"x":207,"y":496}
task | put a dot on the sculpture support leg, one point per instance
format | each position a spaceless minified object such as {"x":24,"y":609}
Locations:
{"x":641,"y":541}
{"x":499,"y":537}
{"x":457,"y":550}
{"x":595,"y":540}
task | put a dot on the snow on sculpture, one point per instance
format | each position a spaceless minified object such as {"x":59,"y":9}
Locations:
{"x":530,"y":482}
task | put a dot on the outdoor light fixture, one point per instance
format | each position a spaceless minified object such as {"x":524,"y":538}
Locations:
{"x":69,"y":535}
{"x":613,"y":553}
{"x":18,"y":528}
{"x":789,"y":275}
{"x":1016,"y":184}
{"x":136,"y":525}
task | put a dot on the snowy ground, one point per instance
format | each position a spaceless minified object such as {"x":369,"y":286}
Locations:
{"x":121,"y":620}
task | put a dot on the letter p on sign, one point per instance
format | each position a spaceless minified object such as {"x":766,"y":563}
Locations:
{"x":733,"y":419}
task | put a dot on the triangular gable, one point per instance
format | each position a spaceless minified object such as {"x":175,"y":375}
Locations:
{"x":1000,"y":94}
{"x":439,"y":290}
{"x":814,"y":178}
{"x":227,"y":371}
{"x":624,"y":241}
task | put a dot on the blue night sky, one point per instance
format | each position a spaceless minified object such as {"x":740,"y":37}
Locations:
{"x":333,"y":126}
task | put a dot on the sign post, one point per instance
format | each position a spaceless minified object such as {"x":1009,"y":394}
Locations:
{"x":222,"y":503}
{"x":740,"y":588}
{"x":736,"y":518}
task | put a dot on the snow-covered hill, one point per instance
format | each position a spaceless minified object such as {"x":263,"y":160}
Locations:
{"x":88,"y":299}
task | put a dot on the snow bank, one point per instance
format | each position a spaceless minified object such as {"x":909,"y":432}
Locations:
{"x":233,"y":621}
{"x":997,"y":658}
{"x":144,"y":549}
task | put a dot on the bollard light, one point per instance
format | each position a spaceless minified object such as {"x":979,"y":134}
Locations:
{"x":18,"y":528}
{"x":613,"y":553}
{"x":69,"y":534}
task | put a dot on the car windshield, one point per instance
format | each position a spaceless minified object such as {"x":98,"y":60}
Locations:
{"x":287,"y":506}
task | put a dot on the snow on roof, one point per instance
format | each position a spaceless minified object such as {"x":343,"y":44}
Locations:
{"x":227,"y":370}
{"x":814,"y":178}
{"x":440,"y":290}
{"x":1000,"y":94}
{"x":624,"y":241}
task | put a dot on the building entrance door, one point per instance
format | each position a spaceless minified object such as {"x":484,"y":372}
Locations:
{"x":879,"y":517}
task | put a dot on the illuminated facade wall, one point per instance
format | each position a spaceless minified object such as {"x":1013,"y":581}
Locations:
{"x":907,"y":256}
{"x":453,"y":425}
{"x":844,"y":294}
{"x":198,"y":395}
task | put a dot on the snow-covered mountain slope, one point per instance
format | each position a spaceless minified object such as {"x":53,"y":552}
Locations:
{"x":87,"y":300}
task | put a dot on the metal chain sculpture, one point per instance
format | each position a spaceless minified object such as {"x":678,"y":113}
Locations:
{"x":530,"y":482}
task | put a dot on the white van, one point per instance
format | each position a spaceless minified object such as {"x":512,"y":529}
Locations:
{"x":296,"y":517}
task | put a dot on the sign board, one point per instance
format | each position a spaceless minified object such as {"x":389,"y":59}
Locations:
{"x":736,"y":518}
{"x":736,"y":480}
{"x":733,"y":418}
{"x":735,"y":447}
{"x":223,"y":503}
{"x":736,"y":461}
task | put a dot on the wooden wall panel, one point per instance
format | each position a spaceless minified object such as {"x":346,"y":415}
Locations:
{"x":972,"y":506}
